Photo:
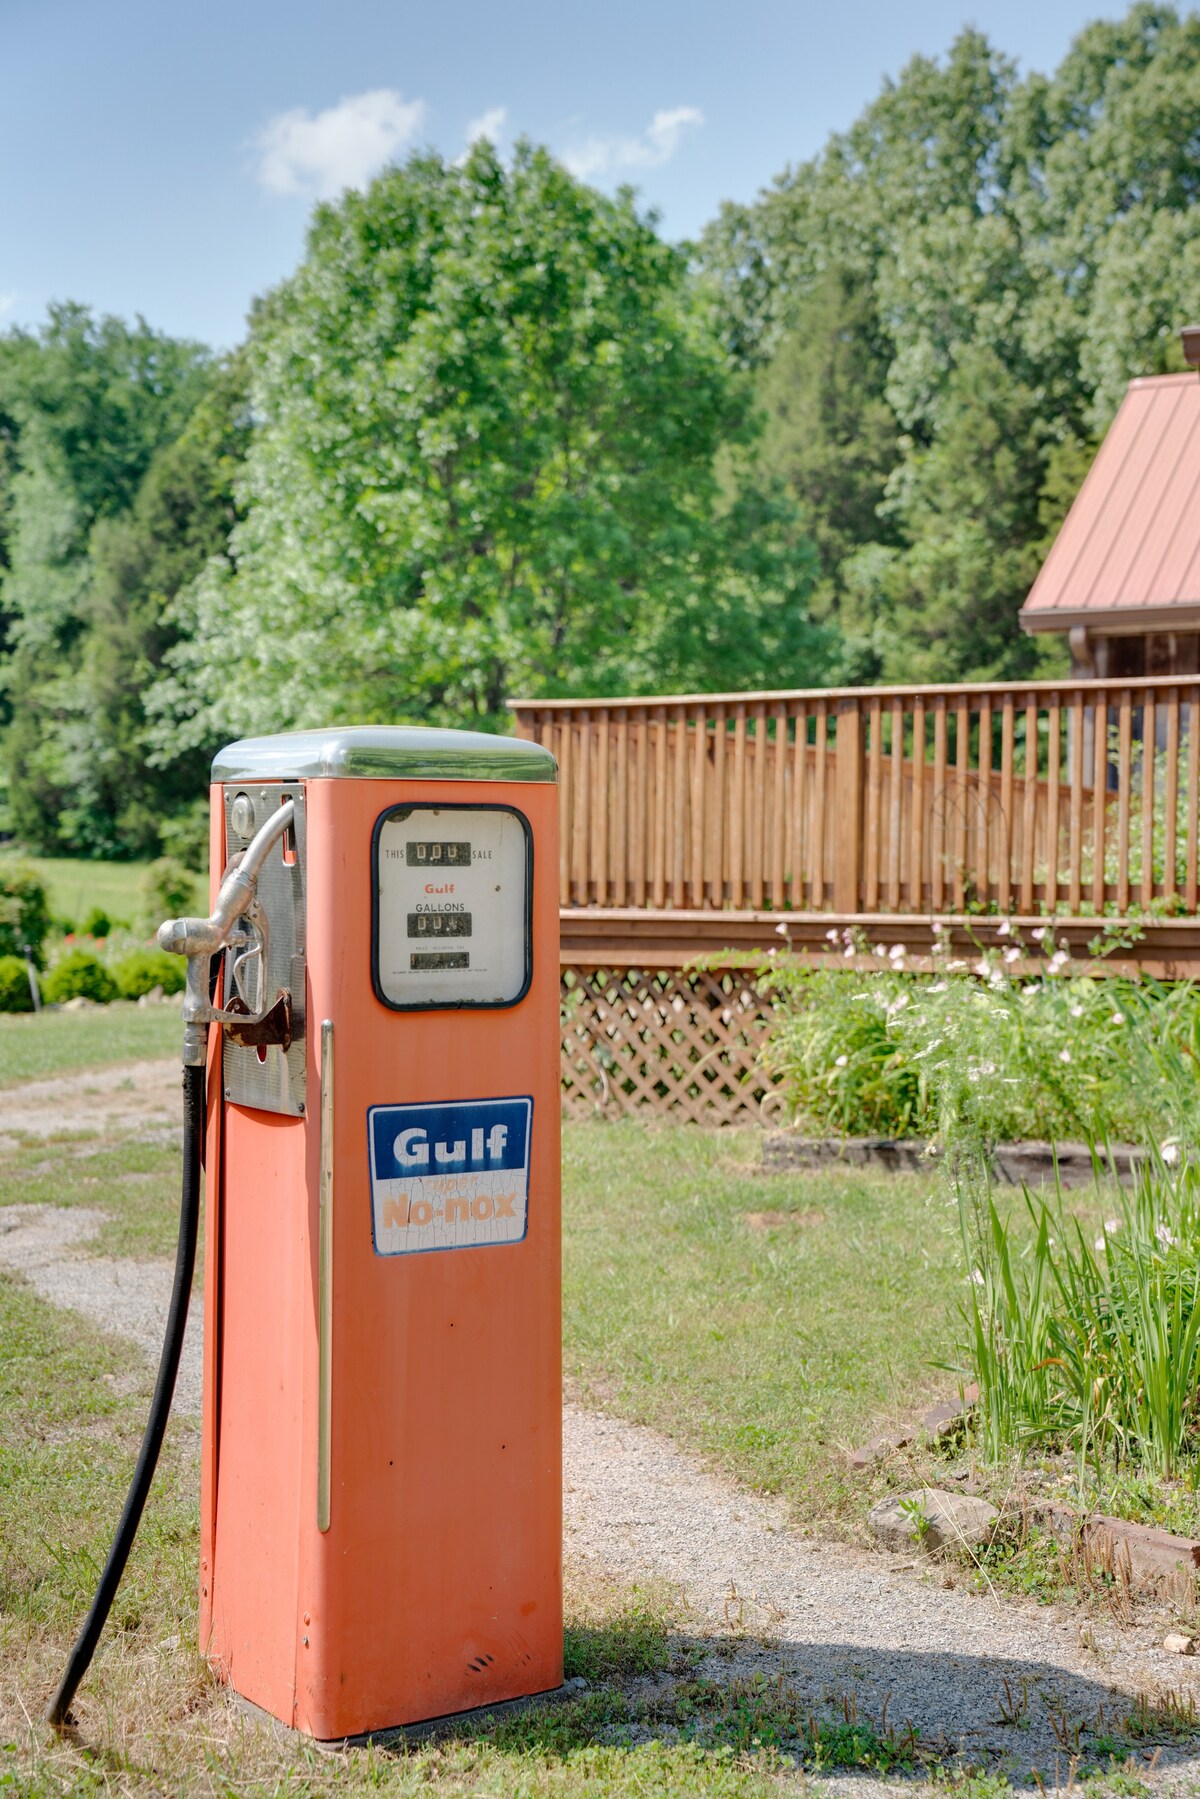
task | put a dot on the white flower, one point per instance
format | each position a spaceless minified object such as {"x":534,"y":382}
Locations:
{"x":878,"y":950}
{"x":830,"y":936}
{"x":841,"y":1061}
{"x":1058,"y":960}
{"x":849,"y":950}
{"x":940,"y":987}
{"x":977,"y":1277}
{"x":1111,"y":1226}
{"x":955,"y":965}
{"x":897,"y":952}
{"x":1166,"y":1237}
{"x":1118,"y":1018}
{"x":1004,"y":928}
{"x":1101,"y":1245}
{"x":781,"y":930}
{"x":1012,"y":953}
{"x":1064,"y":1055}
{"x":937,"y":927}
{"x":1038,"y":934}
{"x":1170,"y":1153}
{"x":1076,"y":1011}
{"x":983,"y":968}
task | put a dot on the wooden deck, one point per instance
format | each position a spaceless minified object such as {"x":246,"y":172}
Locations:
{"x":727,"y":825}
{"x":1029,"y":798}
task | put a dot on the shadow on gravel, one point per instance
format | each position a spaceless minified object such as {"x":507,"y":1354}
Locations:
{"x":837,"y":1707}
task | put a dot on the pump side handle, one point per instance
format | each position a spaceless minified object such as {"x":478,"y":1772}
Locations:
{"x":200,"y":939}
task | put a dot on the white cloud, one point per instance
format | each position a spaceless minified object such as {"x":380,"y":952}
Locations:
{"x":657,"y":144}
{"x":321,"y":153}
{"x":489,"y":124}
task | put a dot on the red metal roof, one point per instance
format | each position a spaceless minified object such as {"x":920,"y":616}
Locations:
{"x":1128,"y":553}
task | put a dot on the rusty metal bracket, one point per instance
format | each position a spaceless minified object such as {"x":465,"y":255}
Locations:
{"x":275,"y":1025}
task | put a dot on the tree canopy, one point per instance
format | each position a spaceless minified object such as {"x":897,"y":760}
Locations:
{"x":491,"y":405}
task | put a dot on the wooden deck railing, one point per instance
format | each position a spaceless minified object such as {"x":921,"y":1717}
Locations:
{"x":1027,"y":797}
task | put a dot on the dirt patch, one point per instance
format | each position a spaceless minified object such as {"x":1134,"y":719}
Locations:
{"x":782,"y":1221}
{"x":141,"y":1098}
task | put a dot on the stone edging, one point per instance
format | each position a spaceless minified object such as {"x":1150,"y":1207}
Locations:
{"x":1013,"y":1164}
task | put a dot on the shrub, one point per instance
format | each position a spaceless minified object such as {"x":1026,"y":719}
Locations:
{"x":24,"y":912}
{"x":168,"y":889}
{"x":80,"y":975}
{"x":144,"y":969}
{"x":97,"y":923}
{"x":185,"y":836}
{"x":14,"y":985}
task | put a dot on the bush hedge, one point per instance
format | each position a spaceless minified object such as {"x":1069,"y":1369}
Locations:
{"x":14,"y":985}
{"x":144,"y":969}
{"x":80,"y":975}
{"x":24,"y":911}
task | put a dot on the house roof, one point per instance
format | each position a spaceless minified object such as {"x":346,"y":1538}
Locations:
{"x":1128,"y":555}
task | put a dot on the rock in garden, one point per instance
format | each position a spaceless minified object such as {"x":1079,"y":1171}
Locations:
{"x":78,"y":1004}
{"x":932,"y":1520}
{"x":1179,"y":1643}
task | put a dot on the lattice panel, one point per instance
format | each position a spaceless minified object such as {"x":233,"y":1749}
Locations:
{"x":679,"y":1043}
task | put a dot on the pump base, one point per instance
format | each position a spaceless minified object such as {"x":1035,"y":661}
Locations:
{"x":390,"y":1736}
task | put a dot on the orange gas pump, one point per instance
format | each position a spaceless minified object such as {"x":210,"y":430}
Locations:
{"x":381,"y":1472}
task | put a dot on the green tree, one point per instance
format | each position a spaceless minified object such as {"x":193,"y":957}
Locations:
{"x":120,"y":454}
{"x":491,"y":403}
{"x":1016,"y":251}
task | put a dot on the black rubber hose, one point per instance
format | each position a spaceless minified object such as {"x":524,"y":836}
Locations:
{"x":160,"y":1405}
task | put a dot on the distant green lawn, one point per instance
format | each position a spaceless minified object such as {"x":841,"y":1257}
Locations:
{"x":75,"y":885}
{"x":32,"y":1047}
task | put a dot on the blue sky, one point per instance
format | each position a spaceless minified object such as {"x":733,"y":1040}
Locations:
{"x":161,"y":156}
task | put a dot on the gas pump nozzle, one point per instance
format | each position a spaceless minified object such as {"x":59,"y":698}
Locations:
{"x":236,"y":918}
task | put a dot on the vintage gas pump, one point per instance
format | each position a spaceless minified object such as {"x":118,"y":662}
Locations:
{"x":381,"y":1469}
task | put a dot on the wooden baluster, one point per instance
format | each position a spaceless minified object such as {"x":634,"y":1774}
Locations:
{"x":699,"y":772}
{"x":1192,"y":890}
{"x":661,"y":794}
{"x":1029,"y":820}
{"x":1124,"y":773}
{"x":600,"y":817}
{"x":719,"y":811}
{"x":1053,"y":782}
{"x":779,"y":820}
{"x":916,"y":852}
{"x":1171,"y":797}
{"x":1075,"y":887}
{"x":566,"y":800}
{"x":737,"y":809}
{"x":895,"y":804}
{"x":847,"y":806}
{"x":874,"y":788}
{"x":1149,"y":728}
{"x":820,"y":777}
{"x":641,"y":811}
{"x":983,"y":806}
{"x":796,"y":834}
{"x":621,"y":812}
{"x":758,"y":826}
{"x":679,"y":818}
{"x":962,"y":768}
{"x":1099,"y":801}
{"x":1007,"y":833}
{"x":941,"y":800}
{"x":583,"y":786}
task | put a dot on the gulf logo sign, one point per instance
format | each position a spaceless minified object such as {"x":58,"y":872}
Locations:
{"x":452,"y":1176}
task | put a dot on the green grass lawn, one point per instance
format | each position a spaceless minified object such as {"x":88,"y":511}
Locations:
{"x":34,"y":1046}
{"x":74,"y":884}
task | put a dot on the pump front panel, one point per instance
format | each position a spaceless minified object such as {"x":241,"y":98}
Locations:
{"x":425,"y":1481}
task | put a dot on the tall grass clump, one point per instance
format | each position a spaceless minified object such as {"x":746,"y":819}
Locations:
{"x":1088,"y":1336}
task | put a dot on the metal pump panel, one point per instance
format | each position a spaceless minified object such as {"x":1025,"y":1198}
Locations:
{"x":265,"y":1066}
